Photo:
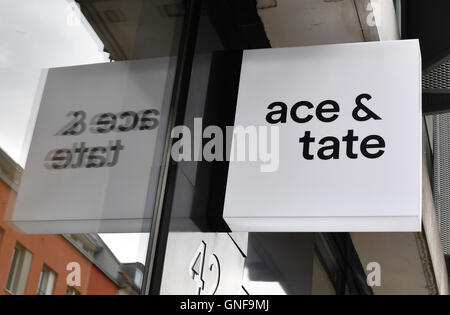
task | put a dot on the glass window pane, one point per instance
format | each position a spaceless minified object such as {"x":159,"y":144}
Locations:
{"x":18,"y":271}
{"x":69,"y":36}
{"x":46,"y":281}
{"x":72,"y":291}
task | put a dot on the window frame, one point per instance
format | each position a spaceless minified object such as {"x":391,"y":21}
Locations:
{"x":44,"y":278}
{"x":71,"y":289}
{"x":17,"y":280}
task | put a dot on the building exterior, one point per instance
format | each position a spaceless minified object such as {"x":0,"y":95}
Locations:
{"x":205,"y":41}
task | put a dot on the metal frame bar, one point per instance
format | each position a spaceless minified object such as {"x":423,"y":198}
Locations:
{"x":166,"y":187}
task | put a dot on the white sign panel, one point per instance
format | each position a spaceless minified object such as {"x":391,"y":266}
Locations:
{"x":96,"y":150}
{"x":349,"y":121}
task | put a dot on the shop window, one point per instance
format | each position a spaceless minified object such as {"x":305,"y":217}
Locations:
{"x":19,"y":269}
{"x":46,"y":281}
{"x":72,"y":291}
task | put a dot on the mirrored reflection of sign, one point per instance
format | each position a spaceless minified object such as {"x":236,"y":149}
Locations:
{"x":94,"y":159}
{"x":349,"y":118}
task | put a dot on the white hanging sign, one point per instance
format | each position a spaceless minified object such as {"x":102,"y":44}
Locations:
{"x":348,"y":155}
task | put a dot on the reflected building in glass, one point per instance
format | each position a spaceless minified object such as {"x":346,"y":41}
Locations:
{"x":190,"y":249}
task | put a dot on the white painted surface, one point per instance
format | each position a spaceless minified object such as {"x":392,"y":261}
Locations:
{"x":311,"y":22}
